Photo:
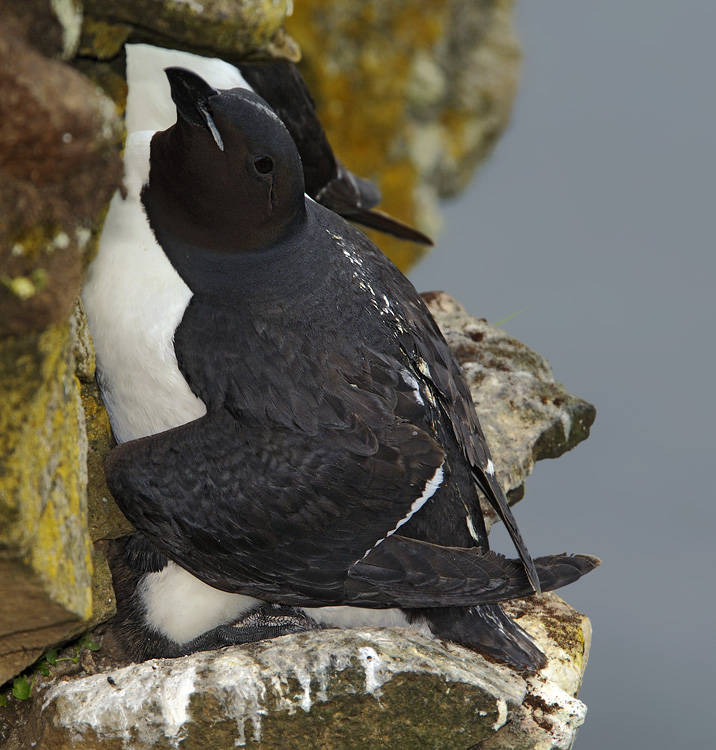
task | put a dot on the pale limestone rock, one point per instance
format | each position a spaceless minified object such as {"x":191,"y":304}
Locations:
{"x":525,"y":413}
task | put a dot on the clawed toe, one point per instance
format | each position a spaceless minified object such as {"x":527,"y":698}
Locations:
{"x":276,"y":620}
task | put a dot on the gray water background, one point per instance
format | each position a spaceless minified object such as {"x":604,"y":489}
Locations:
{"x":596,"y":215}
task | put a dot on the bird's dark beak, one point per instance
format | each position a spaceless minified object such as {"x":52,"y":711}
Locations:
{"x":191,"y":94}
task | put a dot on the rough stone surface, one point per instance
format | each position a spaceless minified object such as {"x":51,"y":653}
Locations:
{"x":52,"y":26}
{"x":59,"y":164}
{"x":525,"y":413}
{"x":53,"y":584}
{"x":101,"y":39}
{"x":567,"y":633}
{"x":332,"y":689}
{"x":433,"y":83}
{"x":82,"y":346}
{"x":104,"y":517}
{"x":218,"y":27}
{"x":45,"y":550}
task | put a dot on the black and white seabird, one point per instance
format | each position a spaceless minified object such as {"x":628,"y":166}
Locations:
{"x":299,"y":437}
{"x":281,"y":85}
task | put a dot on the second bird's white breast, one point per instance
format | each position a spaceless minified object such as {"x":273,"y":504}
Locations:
{"x":149,"y":100}
{"x":134,"y":301}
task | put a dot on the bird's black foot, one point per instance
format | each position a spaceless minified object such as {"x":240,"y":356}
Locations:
{"x":275,"y":620}
{"x":260,"y":624}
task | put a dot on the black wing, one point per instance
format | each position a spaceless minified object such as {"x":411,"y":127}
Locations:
{"x":433,"y":364}
{"x":351,"y":197}
{"x":264,"y":514}
{"x":419,"y":574}
{"x":453,"y":395}
{"x":269,"y":510}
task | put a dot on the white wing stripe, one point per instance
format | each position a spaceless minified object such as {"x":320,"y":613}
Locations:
{"x":431,"y":488}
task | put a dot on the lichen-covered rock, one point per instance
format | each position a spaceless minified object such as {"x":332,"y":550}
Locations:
{"x":82,"y":346}
{"x":104,"y":517}
{"x":104,"y":602}
{"x":334,"y":689}
{"x":53,"y":584}
{"x":101,"y":39}
{"x":45,"y":554}
{"x":525,"y":413}
{"x":59,"y":164}
{"x":563,"y":632}
{"x":216,"y":27}
{"x":433,"y":84}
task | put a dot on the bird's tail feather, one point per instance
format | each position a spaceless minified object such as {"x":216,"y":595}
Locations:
{"x":384,"y":223}
{"x":489,"y":630}
{"x":413,"y":573}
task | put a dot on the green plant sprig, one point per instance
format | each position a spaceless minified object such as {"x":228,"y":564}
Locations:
{"x":22,"y":685}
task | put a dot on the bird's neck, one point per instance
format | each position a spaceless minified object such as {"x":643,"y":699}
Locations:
{"x":292,"y":268}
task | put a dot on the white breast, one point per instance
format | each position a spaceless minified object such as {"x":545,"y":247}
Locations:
{"x":134,"y":300}
{"x":149,"y":101}
{"x":183,"y":607}
{"x":133,"y":297}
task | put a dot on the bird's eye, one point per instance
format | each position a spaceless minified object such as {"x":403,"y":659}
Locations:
{"x":263,"y":164}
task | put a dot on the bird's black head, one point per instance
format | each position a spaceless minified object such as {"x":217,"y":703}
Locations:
{"x":226,"y":178}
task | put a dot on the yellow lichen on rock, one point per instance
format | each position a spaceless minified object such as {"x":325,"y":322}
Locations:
{"x":101,"y":39}
{"x":412,"y":95}
{"x":44,"y":543}
{"x":222,"y":27}
{"x":105,"y":519}
{"x":563,"y":633}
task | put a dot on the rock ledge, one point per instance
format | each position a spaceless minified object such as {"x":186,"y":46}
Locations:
{"x":337,"y":689}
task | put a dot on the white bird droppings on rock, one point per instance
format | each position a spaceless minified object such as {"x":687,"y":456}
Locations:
{"x":371,"y":663}
{"x":93,"y":702}
{"x":562,"y":717}
{"x":151,"y":703}
{"x":501,"y":714}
